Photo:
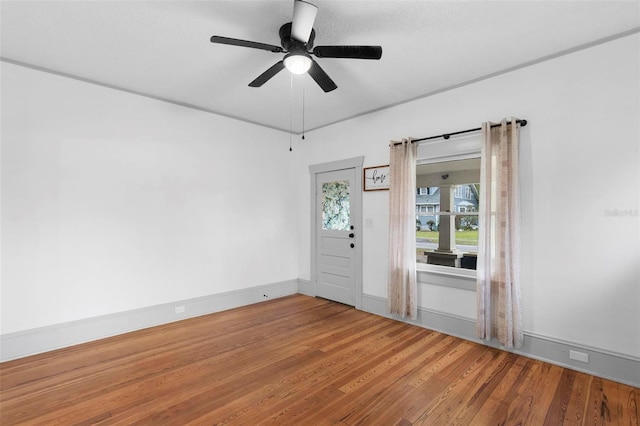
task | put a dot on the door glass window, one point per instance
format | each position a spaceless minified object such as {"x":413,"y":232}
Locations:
{"x":336,"y":210}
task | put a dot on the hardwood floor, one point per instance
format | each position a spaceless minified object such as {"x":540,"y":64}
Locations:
{"x":303,"y":361}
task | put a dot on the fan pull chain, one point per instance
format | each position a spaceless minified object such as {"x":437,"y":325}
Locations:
{"x":303,"y":110}
{"x":291,"y":113}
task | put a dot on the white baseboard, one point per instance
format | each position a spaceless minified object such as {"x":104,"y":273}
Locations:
{"x":304,"y":287}
{"x":609,"y":365}
{"x":44,"y":339}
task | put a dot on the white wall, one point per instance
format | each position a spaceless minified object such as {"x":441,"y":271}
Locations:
{"x":580,"y":160}
{"x":113,"y":202}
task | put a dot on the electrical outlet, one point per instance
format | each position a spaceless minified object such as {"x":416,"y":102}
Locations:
{"x":179,"y":309}
{"x":579,"y":356}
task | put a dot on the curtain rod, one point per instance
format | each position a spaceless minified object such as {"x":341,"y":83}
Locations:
{"x":448,"y":135}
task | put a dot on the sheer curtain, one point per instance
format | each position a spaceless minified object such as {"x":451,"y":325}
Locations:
{"x":498,"y":270}
{"x":402,"y":229}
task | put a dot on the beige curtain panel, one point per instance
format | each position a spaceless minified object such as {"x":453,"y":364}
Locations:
{"x":403,"y":293}
{"x":498,"y":270}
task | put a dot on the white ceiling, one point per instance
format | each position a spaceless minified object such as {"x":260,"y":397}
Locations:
{"x":161,"y":48}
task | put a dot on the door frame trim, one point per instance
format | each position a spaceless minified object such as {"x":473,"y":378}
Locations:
{"x":314,"y":169}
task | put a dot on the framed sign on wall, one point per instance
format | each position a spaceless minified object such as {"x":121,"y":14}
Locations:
{"x":376,"y":178}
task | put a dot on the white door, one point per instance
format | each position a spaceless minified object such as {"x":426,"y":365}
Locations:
{"x":337,"y":207}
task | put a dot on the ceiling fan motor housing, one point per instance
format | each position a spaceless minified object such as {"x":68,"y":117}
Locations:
{"x":291,"y":45}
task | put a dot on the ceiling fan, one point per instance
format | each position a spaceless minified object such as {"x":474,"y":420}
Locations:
{"x":297,"y":38}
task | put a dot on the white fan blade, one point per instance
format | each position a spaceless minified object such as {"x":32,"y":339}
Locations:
{"x":304,"y":14}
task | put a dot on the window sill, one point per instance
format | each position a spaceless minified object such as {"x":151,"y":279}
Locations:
{"x":464,"y":279}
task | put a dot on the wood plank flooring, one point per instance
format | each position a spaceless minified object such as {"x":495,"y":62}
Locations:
{"x":301,"y":361}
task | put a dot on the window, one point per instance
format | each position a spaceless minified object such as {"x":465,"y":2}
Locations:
{"x":335,"y":206}
{"x":463,"y":192}
{"x":425,"y":191}
{"x":447,"y":230}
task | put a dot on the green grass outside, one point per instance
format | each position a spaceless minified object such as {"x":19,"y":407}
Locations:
{"x":462,"y":237}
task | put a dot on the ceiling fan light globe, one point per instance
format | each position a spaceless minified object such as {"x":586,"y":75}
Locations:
{"x":297,"y":64}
